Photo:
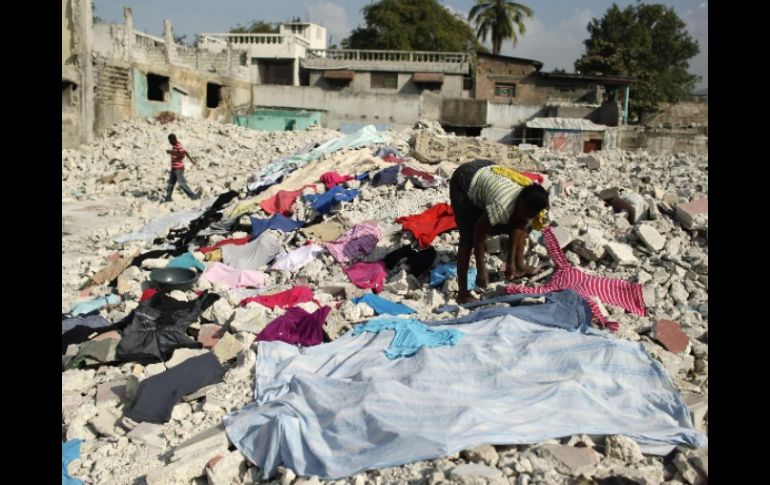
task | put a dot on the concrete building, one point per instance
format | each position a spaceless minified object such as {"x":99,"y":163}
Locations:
{"x":384,"y":88}
{"x":517,"y":91}
{"x":111,"y":73}
{"x":273,"y":58}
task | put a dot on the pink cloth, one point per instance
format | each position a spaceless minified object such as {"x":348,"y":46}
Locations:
{"x":330,"y":179}
{"x":234,"y":278}
{"x":367,"y":275}
{"x":358,"y":241}
{"x":613,"y":291}
{"x":283,"y":299}
{"x":282,"y":201}
{"x":297,"y":326}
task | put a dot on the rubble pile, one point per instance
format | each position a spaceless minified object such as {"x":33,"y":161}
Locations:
{"x":619,"y":214}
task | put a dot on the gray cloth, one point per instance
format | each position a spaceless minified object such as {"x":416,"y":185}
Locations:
{"x":177,"y":175}
{"x":253,"y":255}
{"x":160,"y":226}
{"x":565,"y":309}
{"x":92,"y":321}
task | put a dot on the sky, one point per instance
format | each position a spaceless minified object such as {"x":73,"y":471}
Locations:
{"x":554,"y":35}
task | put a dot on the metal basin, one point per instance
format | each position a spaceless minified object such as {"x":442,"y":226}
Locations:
{"x":169,"y":279}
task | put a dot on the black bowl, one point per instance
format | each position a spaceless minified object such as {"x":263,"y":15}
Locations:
{"x":169,"y":279}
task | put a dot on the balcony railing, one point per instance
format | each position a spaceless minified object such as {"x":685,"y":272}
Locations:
{"x":387,"y":56}
{"x":252,"y":39}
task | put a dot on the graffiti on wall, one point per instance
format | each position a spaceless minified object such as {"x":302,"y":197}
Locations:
{"x":563,"y":141}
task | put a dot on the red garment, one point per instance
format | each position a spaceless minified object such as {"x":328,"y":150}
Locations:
{"x":330,"y":179}
{"x":393,"y":159}
{"x":177,"y":155}
{"x":147,"y":294}
{"x":284,"y":299}
{"x":409,"y":171}
{"x":367,"y":275}
{"x":613,"y":291}
{"x":282,"y":201}
{"x":430,"y":223}
{"x":534,"y":177}
{"x":225,"y":242}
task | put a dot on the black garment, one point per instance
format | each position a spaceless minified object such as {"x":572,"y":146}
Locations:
{"x":393,"y":257}
{"x":466,"y":212}
{"x":185,"y":236}
{"x":418,"y":261}
{"x":159,"y":326}
{"x":157,"y":395}
{"x":422,"y":261}
{"x":80,"y":333}
{"x":386,"y":176}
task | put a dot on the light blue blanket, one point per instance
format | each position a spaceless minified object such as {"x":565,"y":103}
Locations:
{"x":336,"y":409}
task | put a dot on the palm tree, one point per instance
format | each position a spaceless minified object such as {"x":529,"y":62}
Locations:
{"x":501,"y":18}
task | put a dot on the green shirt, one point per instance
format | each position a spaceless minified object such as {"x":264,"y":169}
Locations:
{"x":495,"y":194}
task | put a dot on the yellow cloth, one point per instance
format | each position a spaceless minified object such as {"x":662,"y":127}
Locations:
{"x":541,"y":219}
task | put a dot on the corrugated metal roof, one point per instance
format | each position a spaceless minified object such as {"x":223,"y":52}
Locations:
{"x":578,"y":124}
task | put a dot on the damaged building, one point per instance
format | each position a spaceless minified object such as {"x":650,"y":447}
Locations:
{"x":111,"y":72}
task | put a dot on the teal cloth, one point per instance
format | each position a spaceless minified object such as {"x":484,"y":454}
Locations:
{"x":88,"y":306}
{"x":382,"y":306}
{"x":70,"y":451}
{"x":187,"y":260}
{"x":410,"y":336}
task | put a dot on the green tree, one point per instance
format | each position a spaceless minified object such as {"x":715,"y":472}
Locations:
{"x":255,"y":27}
{"x":648,"y":43}
{"x":407,"y":25}
{"x":499,"y":18}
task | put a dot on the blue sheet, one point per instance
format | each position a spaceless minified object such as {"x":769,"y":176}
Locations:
{"x":323,"y":203}
{"x":382,"y":306}
{"x":276,"y":221}
{"x":449,"y":270}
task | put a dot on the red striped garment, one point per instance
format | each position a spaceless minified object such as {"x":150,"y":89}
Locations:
{"x":177,"y":155}
{"x":612,"y":291}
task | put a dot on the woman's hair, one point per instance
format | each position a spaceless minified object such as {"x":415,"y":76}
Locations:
{"x":535,"y":198}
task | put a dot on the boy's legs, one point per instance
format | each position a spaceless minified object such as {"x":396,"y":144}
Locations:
{"x":170,"y":185}
{"x":183,"y":184}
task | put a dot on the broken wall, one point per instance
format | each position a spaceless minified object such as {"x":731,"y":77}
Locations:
{"x":397,"y":111}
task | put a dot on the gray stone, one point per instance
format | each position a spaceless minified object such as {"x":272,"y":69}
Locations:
{"x":650,"y":237}
{"x":590,"y":245}
{"x":77,"y":380}
{"x":699,"y":408}
{"x":105,"y":423}
{"x":475,"y":473}
{"x":113,"y":392}
{"x":250,"y":320}
{"x":148,"y":433}
{"x":482,"y":454}
{"x":563,"y":236}
{"x":226,"y":470}
{"x":576,"y":460}
{"x":622,"y":448}
{"x":227,"y":348}
{"x":622,"y":253}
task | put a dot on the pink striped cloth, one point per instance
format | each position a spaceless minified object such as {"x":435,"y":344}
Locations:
{"x":358,"y":241}
{"x":612,"y":291}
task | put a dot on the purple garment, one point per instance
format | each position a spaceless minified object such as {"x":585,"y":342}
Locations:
{"x":358,"y":241}
{"x":297,"y":326}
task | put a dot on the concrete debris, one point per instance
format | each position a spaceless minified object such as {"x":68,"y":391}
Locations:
{"x":482,"y":454}
{"x":576,"y":460}
{"x":622,"y":448}
{"x":663,"y":247}
{"x":668,"y":333}
{"x":622,"y":253}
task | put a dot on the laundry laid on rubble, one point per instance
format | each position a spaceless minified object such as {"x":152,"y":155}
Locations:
{"x":503,"y":374}
{"x":382,"y":306}
{"x":616,"y":292}
{"x":331,"y":401}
